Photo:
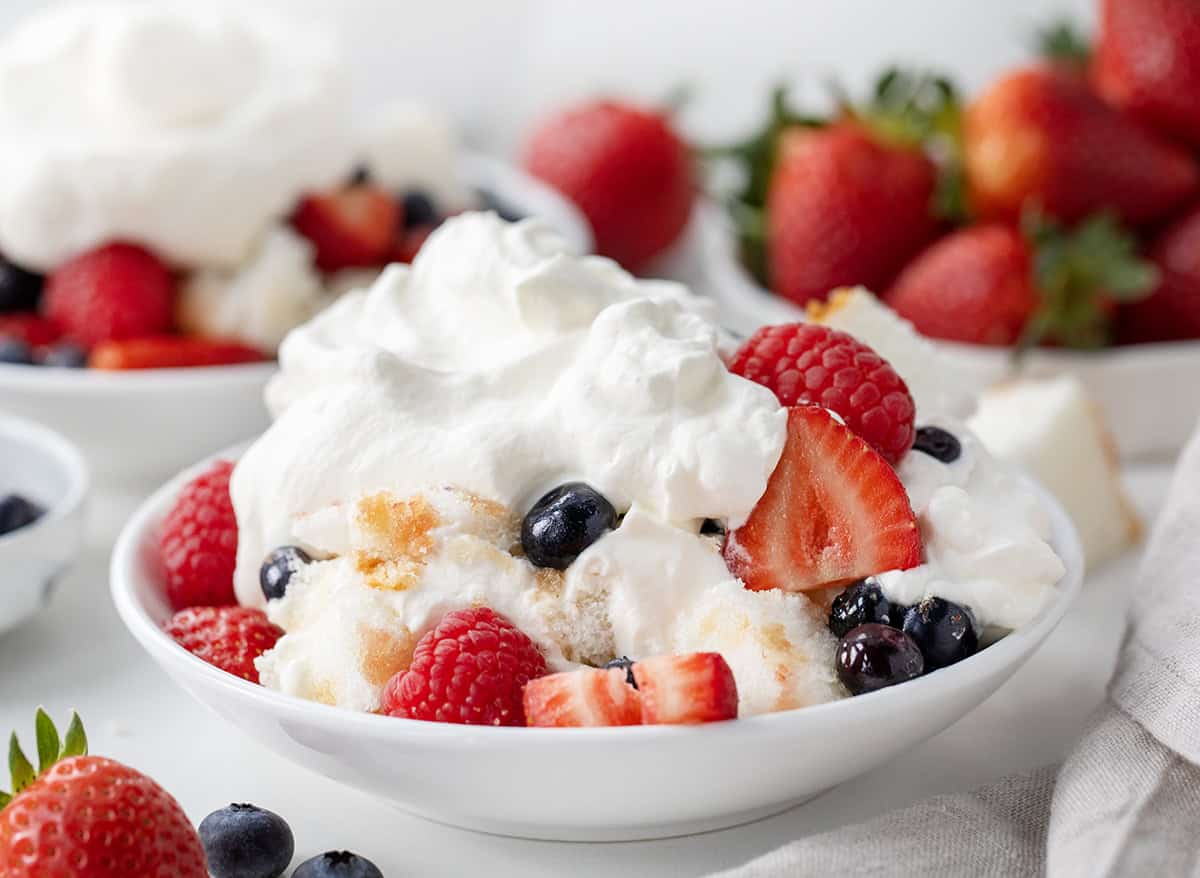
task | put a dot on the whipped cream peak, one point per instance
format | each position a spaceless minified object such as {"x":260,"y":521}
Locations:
{"x":185,"y":128}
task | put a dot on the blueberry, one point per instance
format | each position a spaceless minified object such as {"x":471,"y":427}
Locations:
{"x":65,"y":356}
{"x":938,"y":443}
{"x":16,"y":352}
{"x":337,"y":864}
{"x":873,"y":656}
{"x":276,"y":572}
{"x":359,"y":176}
{"x":418,"y":209}
{"x":243,"y":841}
{"x":17,"y":512}
{"x":493,"y":202}
{"x":627,"y":663}
{"x":944,"y":631}
{"x":860,"y":603}
{"x":712,"y":528}
{"x":564,"y":523}
{"x":20,"y":290}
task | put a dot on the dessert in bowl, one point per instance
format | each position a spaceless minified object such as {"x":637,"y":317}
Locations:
{"x":151,"y":223}
{"x":508,"y":483}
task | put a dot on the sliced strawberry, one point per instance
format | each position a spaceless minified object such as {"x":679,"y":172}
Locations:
{"x":171,"y":352}
{"x":352,"y":226}
{"x":587,"y":697}
{"x":834,"y":511}
{"x":33,"y":329}
{"x":686,"y":689}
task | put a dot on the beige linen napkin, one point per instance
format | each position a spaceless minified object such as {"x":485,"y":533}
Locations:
{"x":1125,"y":802}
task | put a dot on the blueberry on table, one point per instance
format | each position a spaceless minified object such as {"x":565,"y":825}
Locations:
{"x":15,"y":352}
{"x":938,"y":443}
{"x":862,"y":602}
{"x":564,"y":523}
{"x":873,"y":656}
{"x":626,"y":663}
{"x":65,"y":356}
{"x":277,"y":570}
{"x":20,"y":290}
{"x":418,"y":209}
{"x":945,"y":632}
{"x":17,"y":512}
{"x":244,"y":841}
{"x":337,"y":864}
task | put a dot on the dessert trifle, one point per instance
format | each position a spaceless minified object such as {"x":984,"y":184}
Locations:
{"x":509,"y":485}
{"x":184,"y":185}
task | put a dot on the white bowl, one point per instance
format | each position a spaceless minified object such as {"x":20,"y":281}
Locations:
{"x":581,"y":784}
{"x":145,"y":425}
{"x":45,"y":468}
{"x":1136,"y":386}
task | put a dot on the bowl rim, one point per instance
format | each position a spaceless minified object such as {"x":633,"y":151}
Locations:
{"x":67,"y":457}
{"x":1012,"y":649}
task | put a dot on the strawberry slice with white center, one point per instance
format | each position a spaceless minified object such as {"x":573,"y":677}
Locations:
{"x":834,"y":511}
{"x":686,"y":689}
{"x":352,"y":226}
{"x":587,"y":697}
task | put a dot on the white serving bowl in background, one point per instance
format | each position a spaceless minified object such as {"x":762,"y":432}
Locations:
{"x":581,"y":784}
{"x":43,"y":467}
{"x":142,"y":425}
{"x":1137,"y":387}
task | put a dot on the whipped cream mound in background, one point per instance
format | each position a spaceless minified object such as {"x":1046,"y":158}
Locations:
{"x":503,"y":365}
{"x":408,"y":146}
{"x":185,"y":128}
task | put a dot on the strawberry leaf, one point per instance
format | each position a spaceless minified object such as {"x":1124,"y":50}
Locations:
{"x":5,"y":798}
{"x":47,"y":740}
{"x":18,"y":765}
{"x":1061,"y":42}
{"x":76,"y":740}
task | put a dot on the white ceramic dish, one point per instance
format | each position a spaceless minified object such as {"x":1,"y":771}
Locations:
{"x":581,"y":784}
{"x":41,"y":466}
{"x":145,"y":425}
{"x":1132,"y":385}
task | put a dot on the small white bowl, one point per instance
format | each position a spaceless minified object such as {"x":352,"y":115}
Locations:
{"x":45,"y":468}
{"x":602,"y":784}
{"x":1145,"y":391}
{"x":144,"y":425}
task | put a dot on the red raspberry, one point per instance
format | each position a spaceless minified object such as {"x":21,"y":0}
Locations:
{"x":807,"y":364}
{"x":470,"y":669}
{"x":199,"y":542}
{"x":115,"y":291}
{"x":229,"y":638}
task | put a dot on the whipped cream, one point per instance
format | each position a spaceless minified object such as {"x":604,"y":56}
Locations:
{"x":188,"y":129}
{"x":407,"y":146}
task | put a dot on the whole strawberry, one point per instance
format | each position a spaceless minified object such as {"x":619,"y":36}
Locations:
{"x":1147,"y":62}
{"x":1000,"y":284}
{"x":1039,"y":136}
{"x":199,"y":542}
{"x":81,"y":816}
{"x":1172,"y":311}
{"x":470,"y":669}
{"x":229,"y":638}
{"x":115,"y":291}
{"x":806,"y":364}
{"x":626,"y":169}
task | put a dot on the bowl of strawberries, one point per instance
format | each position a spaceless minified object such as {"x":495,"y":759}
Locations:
{"x":1049,"y":224}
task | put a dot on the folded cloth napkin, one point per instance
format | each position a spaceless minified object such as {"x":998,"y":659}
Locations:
{"x":1125,"y":802}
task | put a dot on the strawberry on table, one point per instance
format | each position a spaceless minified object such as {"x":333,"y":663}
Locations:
{"x":116,"y":291}
{"x":1040,"y":136}
{"x":999,"y":284}
{"x":351,"y":226}
{"x":171,"y":352}
{"x":807,"y":364}
{"x":199,"y":542}
{"x":686,"y":689}
{"x":1172,"y":311}
{"x":81,"y":816}
{"x":587,"y":697}
{"x":834,"y":511}
{"x":625,"y":168}
{"x":229,"y":638}
{"x":1147,"y":62}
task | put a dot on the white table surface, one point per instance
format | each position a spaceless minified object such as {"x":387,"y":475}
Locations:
{"x":78,"y":655}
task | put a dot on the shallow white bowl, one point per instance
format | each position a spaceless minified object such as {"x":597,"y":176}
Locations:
{"x":145,"y":425}
{"x":42,"y":466}
{"x":1146,"y":391}
{"x":581,"y":784}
